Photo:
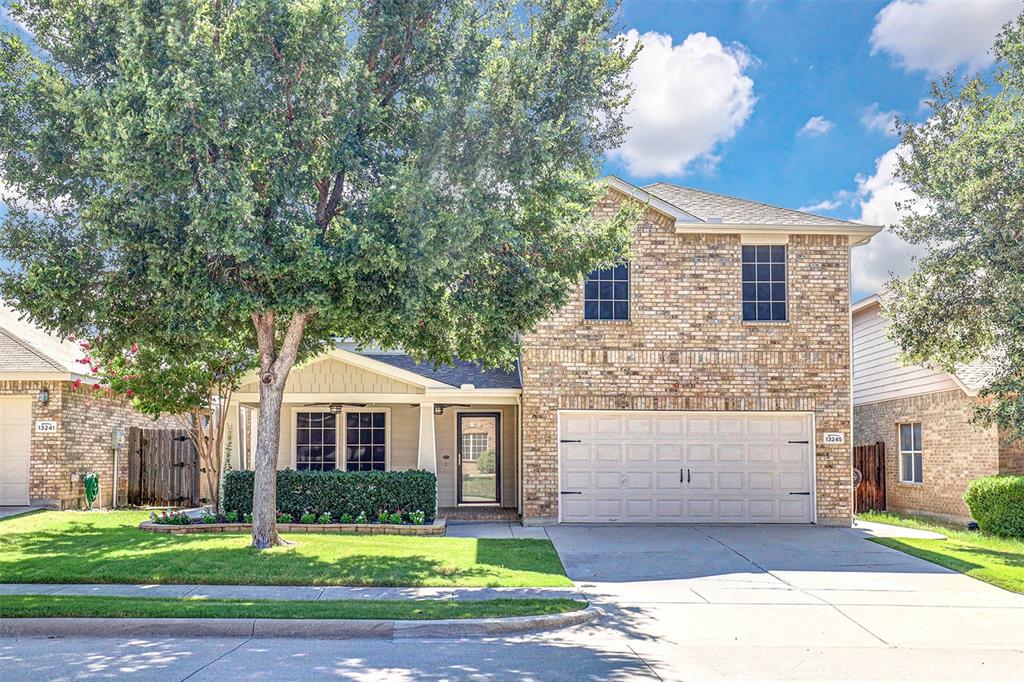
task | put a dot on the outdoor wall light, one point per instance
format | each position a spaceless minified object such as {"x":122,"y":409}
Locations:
{"x":438,"y":410}
{"x":44,"y":395}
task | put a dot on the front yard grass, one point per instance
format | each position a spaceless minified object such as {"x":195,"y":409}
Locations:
{"x":52,"y":606}
{"x":108,"y":547}
{"x":995,"y":560}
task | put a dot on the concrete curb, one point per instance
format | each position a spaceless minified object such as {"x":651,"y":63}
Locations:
{"x":290,"y":628}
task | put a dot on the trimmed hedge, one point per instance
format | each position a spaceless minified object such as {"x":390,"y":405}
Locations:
{"x":997,"y":504}
{"x":339,"y":492}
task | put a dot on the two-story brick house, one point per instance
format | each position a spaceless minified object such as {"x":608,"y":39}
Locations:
{"x":695,"y":383}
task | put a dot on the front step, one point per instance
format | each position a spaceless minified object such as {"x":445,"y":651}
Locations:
{"x":503,"y":514}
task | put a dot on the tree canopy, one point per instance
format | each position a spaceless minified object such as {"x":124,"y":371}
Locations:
{"x":412,"y":173}
{"x":965,"y":164}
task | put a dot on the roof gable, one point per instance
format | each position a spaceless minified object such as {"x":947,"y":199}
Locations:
{"x":24,"y":347}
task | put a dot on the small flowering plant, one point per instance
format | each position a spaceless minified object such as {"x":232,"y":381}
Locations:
{"x":418,"y":517}
{"x":284,"y":517}
{"x":169,"y":517}
{"x":324,"y":518}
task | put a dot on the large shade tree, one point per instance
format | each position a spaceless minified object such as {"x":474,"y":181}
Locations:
{"x":965,"y":164}
{"x":414,"y":173}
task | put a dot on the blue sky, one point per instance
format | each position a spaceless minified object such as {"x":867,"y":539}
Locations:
{"x":790,"y":102}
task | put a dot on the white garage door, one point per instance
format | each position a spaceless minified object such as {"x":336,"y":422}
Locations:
{"x":15,"y":440}
{"x":692,"y":467}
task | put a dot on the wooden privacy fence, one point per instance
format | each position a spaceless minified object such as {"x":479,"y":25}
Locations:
{"x":869,"y":460}
{"x":163,"y":468}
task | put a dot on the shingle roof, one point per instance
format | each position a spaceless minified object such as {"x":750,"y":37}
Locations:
{"x":454,"y":375}
{"x":24,"y":347}
{"x":708,"y":206}
{"x":976,"y":375}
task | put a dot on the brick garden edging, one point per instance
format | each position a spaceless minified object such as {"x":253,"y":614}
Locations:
{"x":435,"y":528}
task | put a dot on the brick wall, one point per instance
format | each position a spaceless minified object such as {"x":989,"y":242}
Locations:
{"x":953,"y":451}
{"x":687,"y":348}
{"x":1011,"y":455}
{"x":82,"y":442}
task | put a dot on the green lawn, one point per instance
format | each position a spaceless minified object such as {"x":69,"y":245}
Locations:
{"x":107,"y":547}
{"x":995,"y":560}
{"x":26,"y":606}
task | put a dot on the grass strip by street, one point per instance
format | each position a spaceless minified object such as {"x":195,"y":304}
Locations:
{"x":108,"y":547}
{"x":56,"y":606}
{"x":996,"y":560}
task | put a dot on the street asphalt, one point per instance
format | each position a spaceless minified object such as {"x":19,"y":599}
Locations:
{"x":681,"y":603}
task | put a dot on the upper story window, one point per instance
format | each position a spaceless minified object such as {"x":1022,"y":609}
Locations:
{"x":606,"y":294}
{"x":910,"y":453}
{"x":764,"y":284}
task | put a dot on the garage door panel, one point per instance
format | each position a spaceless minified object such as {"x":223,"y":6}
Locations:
{"x":640,"y":453}
{"x":15,"y":444}
{"x":730,"y":453}
{"x":702,"y":452}
{"x":682,"y":467}
{"x":760,"y":453}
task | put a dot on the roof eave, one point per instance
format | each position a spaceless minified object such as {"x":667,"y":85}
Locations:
{"x":858,"y":234}
{"x":659,"y":205}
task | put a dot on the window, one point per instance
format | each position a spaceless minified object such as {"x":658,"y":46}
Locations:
{"x":764,"y":283}
{"x":473,"y":444}
{"x":910,"y":453}
{"x":315,"y":441}
{"x":606,"y":294}
{"x":365,"y":447}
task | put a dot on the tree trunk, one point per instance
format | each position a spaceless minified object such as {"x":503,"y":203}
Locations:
{"x":275,"y":364}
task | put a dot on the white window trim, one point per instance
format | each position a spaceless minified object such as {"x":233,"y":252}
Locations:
{"x":341,"y":456}
{"x":913,"y":453}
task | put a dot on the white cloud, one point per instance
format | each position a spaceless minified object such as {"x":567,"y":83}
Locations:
{"x":825,"y":205}
{"x":815,"y":126}
{"x":689,"y":98}
{"x":887,"y":255}
{"x":873,"y":118}
{"x":935,"y":36}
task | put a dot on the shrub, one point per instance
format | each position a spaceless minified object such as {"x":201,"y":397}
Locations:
{"x":248,"y":517}
{"x":308,"y":517}
{"x":383,"y":516}
{"x":284,"y":517}
{"x":324,"y":518}
{"x":485,"y":462}
{"x":997,"y":504}
{"x":339,"y":492}
{"x":231,"y":517}
{"x":361,"y":518}
{"x":345,"y":518}
{"x":395,"y":519}
{"x":209,"y":518}
{"x":418,"y":517}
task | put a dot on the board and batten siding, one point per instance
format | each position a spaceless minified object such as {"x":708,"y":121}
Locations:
{"x":877,"y":372}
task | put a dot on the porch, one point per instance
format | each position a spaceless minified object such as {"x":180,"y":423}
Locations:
{"x":381,"y":411}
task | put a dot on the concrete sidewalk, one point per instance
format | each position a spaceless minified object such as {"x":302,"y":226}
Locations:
{"x":295,"y":592}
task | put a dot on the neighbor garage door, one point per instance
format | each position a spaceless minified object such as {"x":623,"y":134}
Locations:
{"x":15,"y":439}
{"x":693,"y":467}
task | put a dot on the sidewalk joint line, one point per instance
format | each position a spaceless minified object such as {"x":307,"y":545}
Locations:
{"x":226,"y":653}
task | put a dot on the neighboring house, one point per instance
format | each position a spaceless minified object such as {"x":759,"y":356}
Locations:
{"x":50,"y":432}
{"x":923,"y":416}
{"x":694,"y":384}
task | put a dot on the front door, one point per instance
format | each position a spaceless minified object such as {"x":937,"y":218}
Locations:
{"x":479,"y":457}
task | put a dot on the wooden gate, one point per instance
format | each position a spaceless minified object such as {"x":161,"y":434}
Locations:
{"x":869,"y":460}
{"x":163,"y":468}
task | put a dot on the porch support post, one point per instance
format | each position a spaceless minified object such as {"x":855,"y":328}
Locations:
{"x":427,"y":459}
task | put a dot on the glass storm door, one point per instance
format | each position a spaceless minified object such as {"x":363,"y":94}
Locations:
{"x":479,"y":456}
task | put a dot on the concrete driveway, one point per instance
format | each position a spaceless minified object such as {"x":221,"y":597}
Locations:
{"x":682,"y":602}
{"x":765,"y":597}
